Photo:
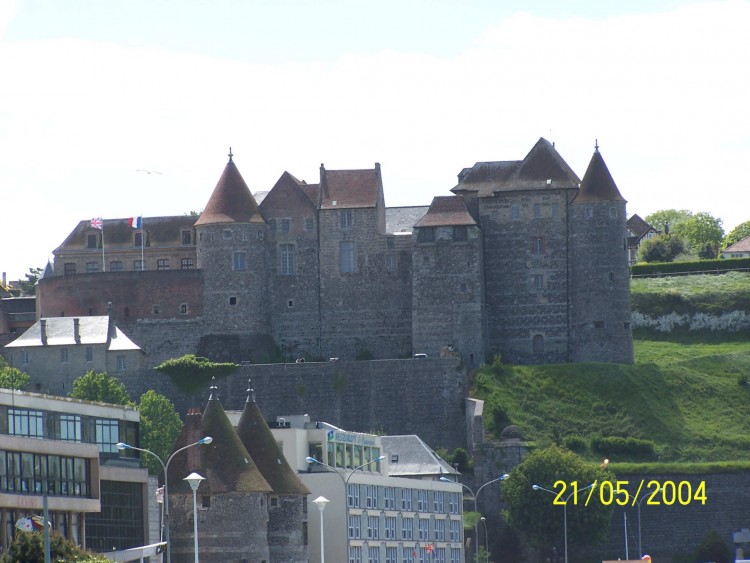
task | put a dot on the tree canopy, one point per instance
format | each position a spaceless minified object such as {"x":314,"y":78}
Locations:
{"x":28,"y":547}
{"x":99,"y":386}
{"x":703,"y":233}
{"x":28,"y":286}
{"x":13,"y":378}
{"x":191,"y":373}
{"x":535,"y":512}
{"x":666,"y":219}
{"x":160,"y":426}
{"x":662,"y":248}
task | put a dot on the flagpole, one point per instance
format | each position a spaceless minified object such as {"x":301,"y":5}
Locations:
{"x":104,"y":264}
{"x":143,"y":263}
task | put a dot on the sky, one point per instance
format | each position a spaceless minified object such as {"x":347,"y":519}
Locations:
{"x":95,"y":92}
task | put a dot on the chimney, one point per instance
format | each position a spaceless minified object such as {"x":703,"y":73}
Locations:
{"x":43,"y":329}
{"x":77,"y":330}
{"x":5,"y":279}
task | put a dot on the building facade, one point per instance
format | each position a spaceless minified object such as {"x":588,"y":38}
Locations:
{"x":66,"y":449}
{"x":524,"y":260}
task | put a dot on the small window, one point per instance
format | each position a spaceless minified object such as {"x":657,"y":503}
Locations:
{"x":138,"y":239}
{"x":390,"y":241}
{"x":537,"y":210}
{"x":460,"y":233}
{"x":272,"y":225}
{"x":390,"y":262}
{"x":239,"y":261}
{"x":70,"y":268}
{"x":205,"y":501}
{"x":115,"y":266}
{"x":589,"y":212}
{"x":183,"y":309}
{"x":611,"y":277}
{"x":89,"y":354}
{"x":347,"y":262}
{"x":538,"y":344}
{"x":139,"y":265}
{"x":121,"y":362}
{"x":309,"y":224}
{"x":233,"y":301}
{"x":162,"y":264}
{"x":290,"y":303}
{"x":426,"y":234}
{"x":92,"y":267}
{"x":156,"y":309}
{"x":286,"y":259}
{"x":187,"y":237}
{"x":63,"y":355}
{"x":274,"y":502}
{"x":537,"y":246}
{"x":226,"y":234}
{"x":186,"y":264}
{"x":538,"y":281}
{"x":285,"y":225}
{"x":92,"y":241}
{"x":347,"y":220}
{"x":626,"y":325}
{"x":555,"y":210}
{"x":515,"y":211}
{"x":612,"y":212}
{"x":24,"y":357}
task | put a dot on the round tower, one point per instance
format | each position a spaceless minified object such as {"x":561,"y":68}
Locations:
{"x":600,"y":328}
{"x":231,"y":253}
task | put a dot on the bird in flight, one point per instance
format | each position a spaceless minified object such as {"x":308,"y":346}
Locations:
{"x":150,"y":171}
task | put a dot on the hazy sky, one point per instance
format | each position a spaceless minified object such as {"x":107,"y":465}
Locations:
{"x":93,"y":91}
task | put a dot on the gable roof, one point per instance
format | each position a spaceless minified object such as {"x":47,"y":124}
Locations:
{"x":350,"y":188}
{"x":742,"y":245}
{"x":231,"y":200}
{"x":260,"y":443}
{"x":60,"y":331}
{"x":597,"y":184}
{"x":542,"y":168}
{"x":414,"y":457}
{"x":446,"y":211}
{"x":639,"y":227}
{"x":287,"y":193}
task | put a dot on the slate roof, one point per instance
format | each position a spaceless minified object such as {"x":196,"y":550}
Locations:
{"x":403,"y":219}
{"x":225,"y":462}
{"x":350,"y":188}
{"x":231,"y":200}
{"x":542,"y":168}
{"x":260,"y":443}
{"x":638,"y":226}
{"x":446,"y":211}
{"x":162,"y":231}
{"x":597,"y":184}
{"x":742,"y":245}
{"x":414,"y":457}
{"x":60,"y":332}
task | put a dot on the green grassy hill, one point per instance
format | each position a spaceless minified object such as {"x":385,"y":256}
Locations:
{"x":684,"y":400}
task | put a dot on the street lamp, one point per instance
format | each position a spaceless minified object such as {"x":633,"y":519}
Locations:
{"x":640,"y":548}
{"x":165,"y":504}
{"x":476,"y":521}
{"x":565,"y":510}
{"x":194,"y":479}
{"x":346,"y":487}
{"x":321,"y":501}
{"x":486,"y":546}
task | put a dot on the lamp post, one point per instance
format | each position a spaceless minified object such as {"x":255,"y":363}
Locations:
{"x":565,"y":510}
{"x":321,"y":501}
{"x":486,"y":546}
{"x":640,"y":548}
{"x":346,"y":486}
{"x":164,"y":535}
{"x":194,"y":479}
{"x":476,"y":521}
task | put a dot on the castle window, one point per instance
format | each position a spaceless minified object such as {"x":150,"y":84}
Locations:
{"x":63,"y":355}
{"x":537,"y":344}
{"x":89,"y":354}
{"x":611,"y":277}
{"x":187,"y":237}
{"x":186,"y":264}
{"x":183,"y":309}
{"x":233,"y":301}
{"x":139,"y":265}
{"x":626,"y":325}
{"x":460,"y":233}
{"x":286,"y":259}
{"x":390,"y":242}
{"x":515,"y":211}
{"x":347,"y":262}
{"x":426,"y":234}
{"x":92,"y":267}
{"x":138,"y":239}
{"x":24,"y":357}
{"x":239,"y":261}
{"x":70,"y":268}
{"x":92,"y":241}
{"x":156,"y":309}
{"x":309,"y":223}
{"x":537,"y":211}
{"x":347,"y":219}
{"x":589,"y":212}
{"x":272,"y":225}
{"x":115,"y":266}
{"x":121,"y":361}
{"x":226,"y":234}
{"x":537,"y":245}
{"x":538,"y":281}
{"x":290,"y":303}
{"x":390,"y":262}
{"x":205,"y":501}
{"x":285,"y":225}
{"x":274,"y":501}
{"x":162,"y":264}
{"x":612,"y":212}
{"x":127,"y":311}
{"x":555,"y":210}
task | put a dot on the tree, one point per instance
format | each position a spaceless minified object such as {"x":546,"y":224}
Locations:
{"x":191,"y":373}
{"x":13,"y":378}
{"x":700,"y":231}
{"x":160,"y":425}
{"x":28,"y":286}
{"x":666,"y":219}
{"x":737,"y":234}
{"x":28,"y":547}
{"x":98,"y":386}
{"x":534,"y":512}
{"x":663,"y":248}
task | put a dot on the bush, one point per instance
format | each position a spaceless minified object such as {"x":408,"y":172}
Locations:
{"x":191,"y":373}
{"x":618,"y":447}
{"x":576,"y":444}
{"x":28,"y":547}
{"x":712,"y":548}
{"x":666,"y":268}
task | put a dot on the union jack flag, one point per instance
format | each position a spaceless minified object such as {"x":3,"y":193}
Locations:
{"x":430,"y":547}
{"x":97,"y":223}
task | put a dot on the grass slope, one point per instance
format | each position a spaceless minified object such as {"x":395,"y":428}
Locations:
{"x":687,"y":393}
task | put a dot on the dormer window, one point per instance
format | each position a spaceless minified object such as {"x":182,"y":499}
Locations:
{"x":426,"y":234}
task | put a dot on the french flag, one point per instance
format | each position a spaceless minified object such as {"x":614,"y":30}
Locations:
{"x":135,"y":222}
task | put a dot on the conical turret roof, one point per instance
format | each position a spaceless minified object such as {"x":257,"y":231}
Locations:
{"x":258,"y":439}
{"x":597,"y":184}
{"x":231,"y":200}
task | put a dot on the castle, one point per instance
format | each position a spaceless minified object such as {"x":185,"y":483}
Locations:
{"x":525,"y":260}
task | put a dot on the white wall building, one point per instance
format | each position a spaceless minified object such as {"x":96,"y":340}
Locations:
{"x":396,"y":510}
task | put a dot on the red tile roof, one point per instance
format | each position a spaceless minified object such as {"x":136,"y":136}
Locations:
{"x":350,"y":188}
{"x":231,"y":200}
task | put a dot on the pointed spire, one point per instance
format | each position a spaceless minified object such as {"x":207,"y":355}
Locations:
{"x":250,"y":391}
{"x":597,"y":184}
{"x":231,"y":200}
{"x":230,"y":154}
{"x":213,"y":388}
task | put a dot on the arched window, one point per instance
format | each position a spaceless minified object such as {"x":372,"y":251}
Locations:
{"x":538,"y":344}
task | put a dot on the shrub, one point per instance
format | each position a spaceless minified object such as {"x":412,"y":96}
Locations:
{"x":712,"y":548}
{"x":576,"y":444}
{"x":192,"y":373}
{"x":618,"y":447}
